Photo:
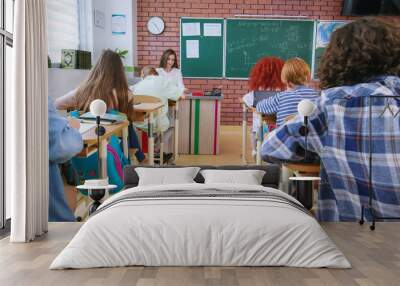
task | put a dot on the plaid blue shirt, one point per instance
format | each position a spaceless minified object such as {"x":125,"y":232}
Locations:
{"x":339,"y":133}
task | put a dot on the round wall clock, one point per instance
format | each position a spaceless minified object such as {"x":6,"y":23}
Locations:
{"x":155,"y":25}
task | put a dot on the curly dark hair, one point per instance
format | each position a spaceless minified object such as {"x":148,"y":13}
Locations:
{"x":359,"y":51}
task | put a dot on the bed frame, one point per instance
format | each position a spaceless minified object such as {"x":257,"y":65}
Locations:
{"x":270,"y":179}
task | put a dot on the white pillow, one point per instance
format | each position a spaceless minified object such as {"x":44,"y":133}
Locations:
{"x":166,"y":176}
{"x":248,"y":177}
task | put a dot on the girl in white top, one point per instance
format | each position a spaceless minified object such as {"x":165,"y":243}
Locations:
{"x":169,"y":69}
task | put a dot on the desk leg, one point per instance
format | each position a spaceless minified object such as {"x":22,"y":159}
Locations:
{"x":96,"y":195}
{"x":125,"y":141}
{"x":259,"y":139}
{"x":176,"y":132}
{"x":304,"y":193}
{"x":103,"y":158}
{"x":160,"y":136}
{"x":244,"y":134}
{"x":286,"y":173}
{"x":151,"y":139}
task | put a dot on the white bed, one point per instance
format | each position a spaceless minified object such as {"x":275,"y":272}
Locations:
{"x":248,"y":228}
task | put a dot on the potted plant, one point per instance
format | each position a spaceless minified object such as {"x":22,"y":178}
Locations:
{"x":123,"y":53}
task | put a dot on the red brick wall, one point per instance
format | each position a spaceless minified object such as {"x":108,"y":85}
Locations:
{"x":151,"y":47}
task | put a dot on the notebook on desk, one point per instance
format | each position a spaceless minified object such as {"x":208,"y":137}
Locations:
{"x":84,"y":127}
{"x":106,"y":119}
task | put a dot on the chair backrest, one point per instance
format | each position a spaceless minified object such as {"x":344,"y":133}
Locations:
{"x":137,"y":99}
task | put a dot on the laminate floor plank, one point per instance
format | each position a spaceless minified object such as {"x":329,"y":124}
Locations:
{"x":375,"y":258}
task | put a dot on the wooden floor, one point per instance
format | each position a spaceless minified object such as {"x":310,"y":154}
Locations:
{"x":375,"y":257}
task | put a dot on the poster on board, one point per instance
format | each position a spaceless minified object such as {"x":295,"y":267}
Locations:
{"x":324,"y":32}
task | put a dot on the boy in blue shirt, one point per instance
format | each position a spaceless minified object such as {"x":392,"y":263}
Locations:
{"x":295,"y":75}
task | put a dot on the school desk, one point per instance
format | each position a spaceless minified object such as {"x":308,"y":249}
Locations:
{"x":149,"y":109}
{"x":310,"y":169}
{"x":268,"y":119}
{"x":199,"y":124}
{"x":306,"y":174}
{"x":90,"y":142}
{"x":90,"y":146}
{"x":174,"y":105}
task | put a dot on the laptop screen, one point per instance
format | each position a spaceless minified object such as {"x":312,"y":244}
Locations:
{"x":260,"y":95}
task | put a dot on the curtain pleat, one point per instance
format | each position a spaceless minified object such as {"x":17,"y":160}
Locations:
{"x":29,"y":158}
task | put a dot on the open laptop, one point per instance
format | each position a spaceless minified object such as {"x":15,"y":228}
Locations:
{"x":260,"y":95}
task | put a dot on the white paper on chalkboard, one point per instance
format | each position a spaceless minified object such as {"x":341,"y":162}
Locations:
{"x":191,"y":29}
{"x":192,"y":49}
{"x":212,"y":29}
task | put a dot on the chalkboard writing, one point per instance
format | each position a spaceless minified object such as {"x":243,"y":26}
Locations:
{"x":249,"y":40}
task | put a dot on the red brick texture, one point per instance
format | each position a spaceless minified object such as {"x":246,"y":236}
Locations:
{"x":151,"y":47}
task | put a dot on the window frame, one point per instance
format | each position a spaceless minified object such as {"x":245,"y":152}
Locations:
{"x":6,"y":39}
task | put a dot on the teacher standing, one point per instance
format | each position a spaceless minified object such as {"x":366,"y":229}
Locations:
{"x":169,"y":70}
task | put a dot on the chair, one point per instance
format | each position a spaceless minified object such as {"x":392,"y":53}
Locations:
{"x":137,"y":99}
{"x":148,"y":99}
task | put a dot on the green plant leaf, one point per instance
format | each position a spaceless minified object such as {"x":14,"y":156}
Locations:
{"x":122,"y":53}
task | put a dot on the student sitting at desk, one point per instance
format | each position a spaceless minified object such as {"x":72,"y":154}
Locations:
{"x":359,"y":67}
{"x":264,"y":76}
{"x":295,"y":75}
{"x":106,"y":81}
{"x":156,"y":86}
{"x":64,"y":143}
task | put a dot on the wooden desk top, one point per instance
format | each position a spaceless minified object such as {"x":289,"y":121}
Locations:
{"x":147,"y":107}
{"x":90,"y":137}
{"x":204,"y":97}
{"x":303,"y":167}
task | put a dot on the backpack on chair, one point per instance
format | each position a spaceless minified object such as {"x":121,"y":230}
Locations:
{"x":84,"y":168}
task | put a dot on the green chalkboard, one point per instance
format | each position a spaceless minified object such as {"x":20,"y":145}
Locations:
{"x":208,"y":35}
{"x":248,"y":40}
{"x":317,"y":58}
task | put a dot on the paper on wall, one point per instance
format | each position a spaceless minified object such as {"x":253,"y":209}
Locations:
{"x":118,"y":24}
{"x":191,"y":29}
{"x":192,"y":49}
{"x":212,"y":29}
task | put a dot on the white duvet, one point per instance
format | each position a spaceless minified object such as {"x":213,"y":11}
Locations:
{"x":200,"y":231}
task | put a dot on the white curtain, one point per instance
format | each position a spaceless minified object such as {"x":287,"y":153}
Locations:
{"x":85,"y":25}
{"x":27,"y":124}
{"x":63,"y":27}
